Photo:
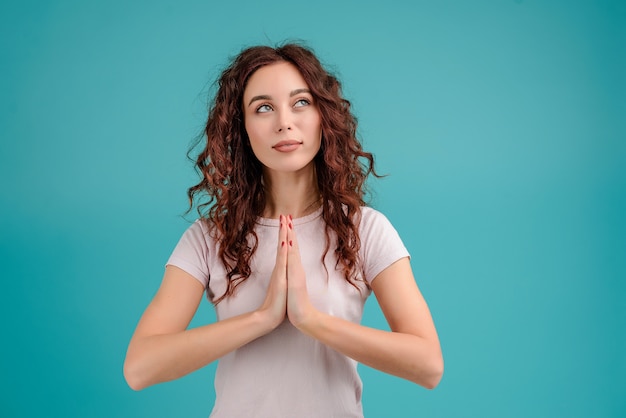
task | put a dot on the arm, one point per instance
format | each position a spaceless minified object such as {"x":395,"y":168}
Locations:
{"x":162,"y":348}
{"x":411,"y":350}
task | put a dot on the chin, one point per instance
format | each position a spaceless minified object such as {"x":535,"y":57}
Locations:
{"x":290,"y":166}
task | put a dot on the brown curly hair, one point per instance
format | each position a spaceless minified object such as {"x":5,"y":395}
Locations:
{"x":231,"y":173}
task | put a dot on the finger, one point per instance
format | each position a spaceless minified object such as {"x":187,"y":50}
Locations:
{"x":283,"y":246}
{"x":292,"y":239}
{"x":295,"y":273}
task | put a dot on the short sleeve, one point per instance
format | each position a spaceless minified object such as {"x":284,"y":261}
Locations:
{"x":191,"y":254}
{"x":381,"y":245}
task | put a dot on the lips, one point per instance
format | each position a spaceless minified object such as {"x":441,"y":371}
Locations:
{"x":287,"y":146}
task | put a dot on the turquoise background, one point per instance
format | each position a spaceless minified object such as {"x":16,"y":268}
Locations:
{"x":501,"y":124}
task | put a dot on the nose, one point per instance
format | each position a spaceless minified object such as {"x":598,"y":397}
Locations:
{"x":283,"y":121}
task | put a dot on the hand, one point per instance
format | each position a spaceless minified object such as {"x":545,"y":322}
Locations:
{"x":299,"y":307}
{"x":275,"y":304}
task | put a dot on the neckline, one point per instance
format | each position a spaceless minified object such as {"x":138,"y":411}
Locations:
{"x":296,"y":221}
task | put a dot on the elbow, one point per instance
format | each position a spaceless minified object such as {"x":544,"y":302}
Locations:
{"x":132,"y":377}
{"x":433,"y":381}
{"x":430,"y":374}
{"x":435,"y":373}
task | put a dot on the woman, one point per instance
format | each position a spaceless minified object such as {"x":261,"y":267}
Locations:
{"x":288,"y":252}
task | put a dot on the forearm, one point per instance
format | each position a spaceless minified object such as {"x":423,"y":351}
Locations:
{"x":404,"y":355}
{"x":158,"y":358}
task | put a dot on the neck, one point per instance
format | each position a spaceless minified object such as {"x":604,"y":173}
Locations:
{"x":294,"y":194}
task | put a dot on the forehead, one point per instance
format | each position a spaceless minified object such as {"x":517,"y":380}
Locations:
{"x":275,"y":79}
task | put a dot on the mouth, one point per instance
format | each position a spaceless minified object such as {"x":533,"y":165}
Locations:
{"x":287,"y":146}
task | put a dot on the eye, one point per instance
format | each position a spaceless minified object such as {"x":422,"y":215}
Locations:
{"x":302,"y":102}
{"x":264,"y":108}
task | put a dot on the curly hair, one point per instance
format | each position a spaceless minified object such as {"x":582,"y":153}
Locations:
{"x":231,"y":174}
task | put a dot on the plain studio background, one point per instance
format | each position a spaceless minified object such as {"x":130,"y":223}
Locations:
{"x":500,"y":124}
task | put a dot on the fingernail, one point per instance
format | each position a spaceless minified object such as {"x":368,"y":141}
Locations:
{"x":290,"y":225}
{"x":282,"y":244}
{"x":290,"y":243}
{"x":290,"y":218}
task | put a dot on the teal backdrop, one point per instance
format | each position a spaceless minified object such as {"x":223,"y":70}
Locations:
{"x":501,"y":125}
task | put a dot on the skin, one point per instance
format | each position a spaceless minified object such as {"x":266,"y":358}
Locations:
{"x":278,"y":107}
{"x":284,"y":112}
{"x":162,"y":348}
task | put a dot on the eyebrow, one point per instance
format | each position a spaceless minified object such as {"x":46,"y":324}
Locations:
{"x":266,"y":97}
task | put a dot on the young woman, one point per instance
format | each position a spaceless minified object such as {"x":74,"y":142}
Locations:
{"x":287,"y":252}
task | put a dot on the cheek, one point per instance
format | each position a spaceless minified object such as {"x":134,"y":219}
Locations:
{"x":254,"y":131}
{"x":314,"y":126}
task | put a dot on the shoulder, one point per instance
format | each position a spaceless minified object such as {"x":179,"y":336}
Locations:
{"x":370,"y":212}
{"x":199,"y":232}
{"x":195,"y":251}
{"x":372,"y":220}
{"x":381,"y":244}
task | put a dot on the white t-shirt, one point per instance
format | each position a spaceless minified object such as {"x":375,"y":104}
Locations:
{"x":286,"y":373}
